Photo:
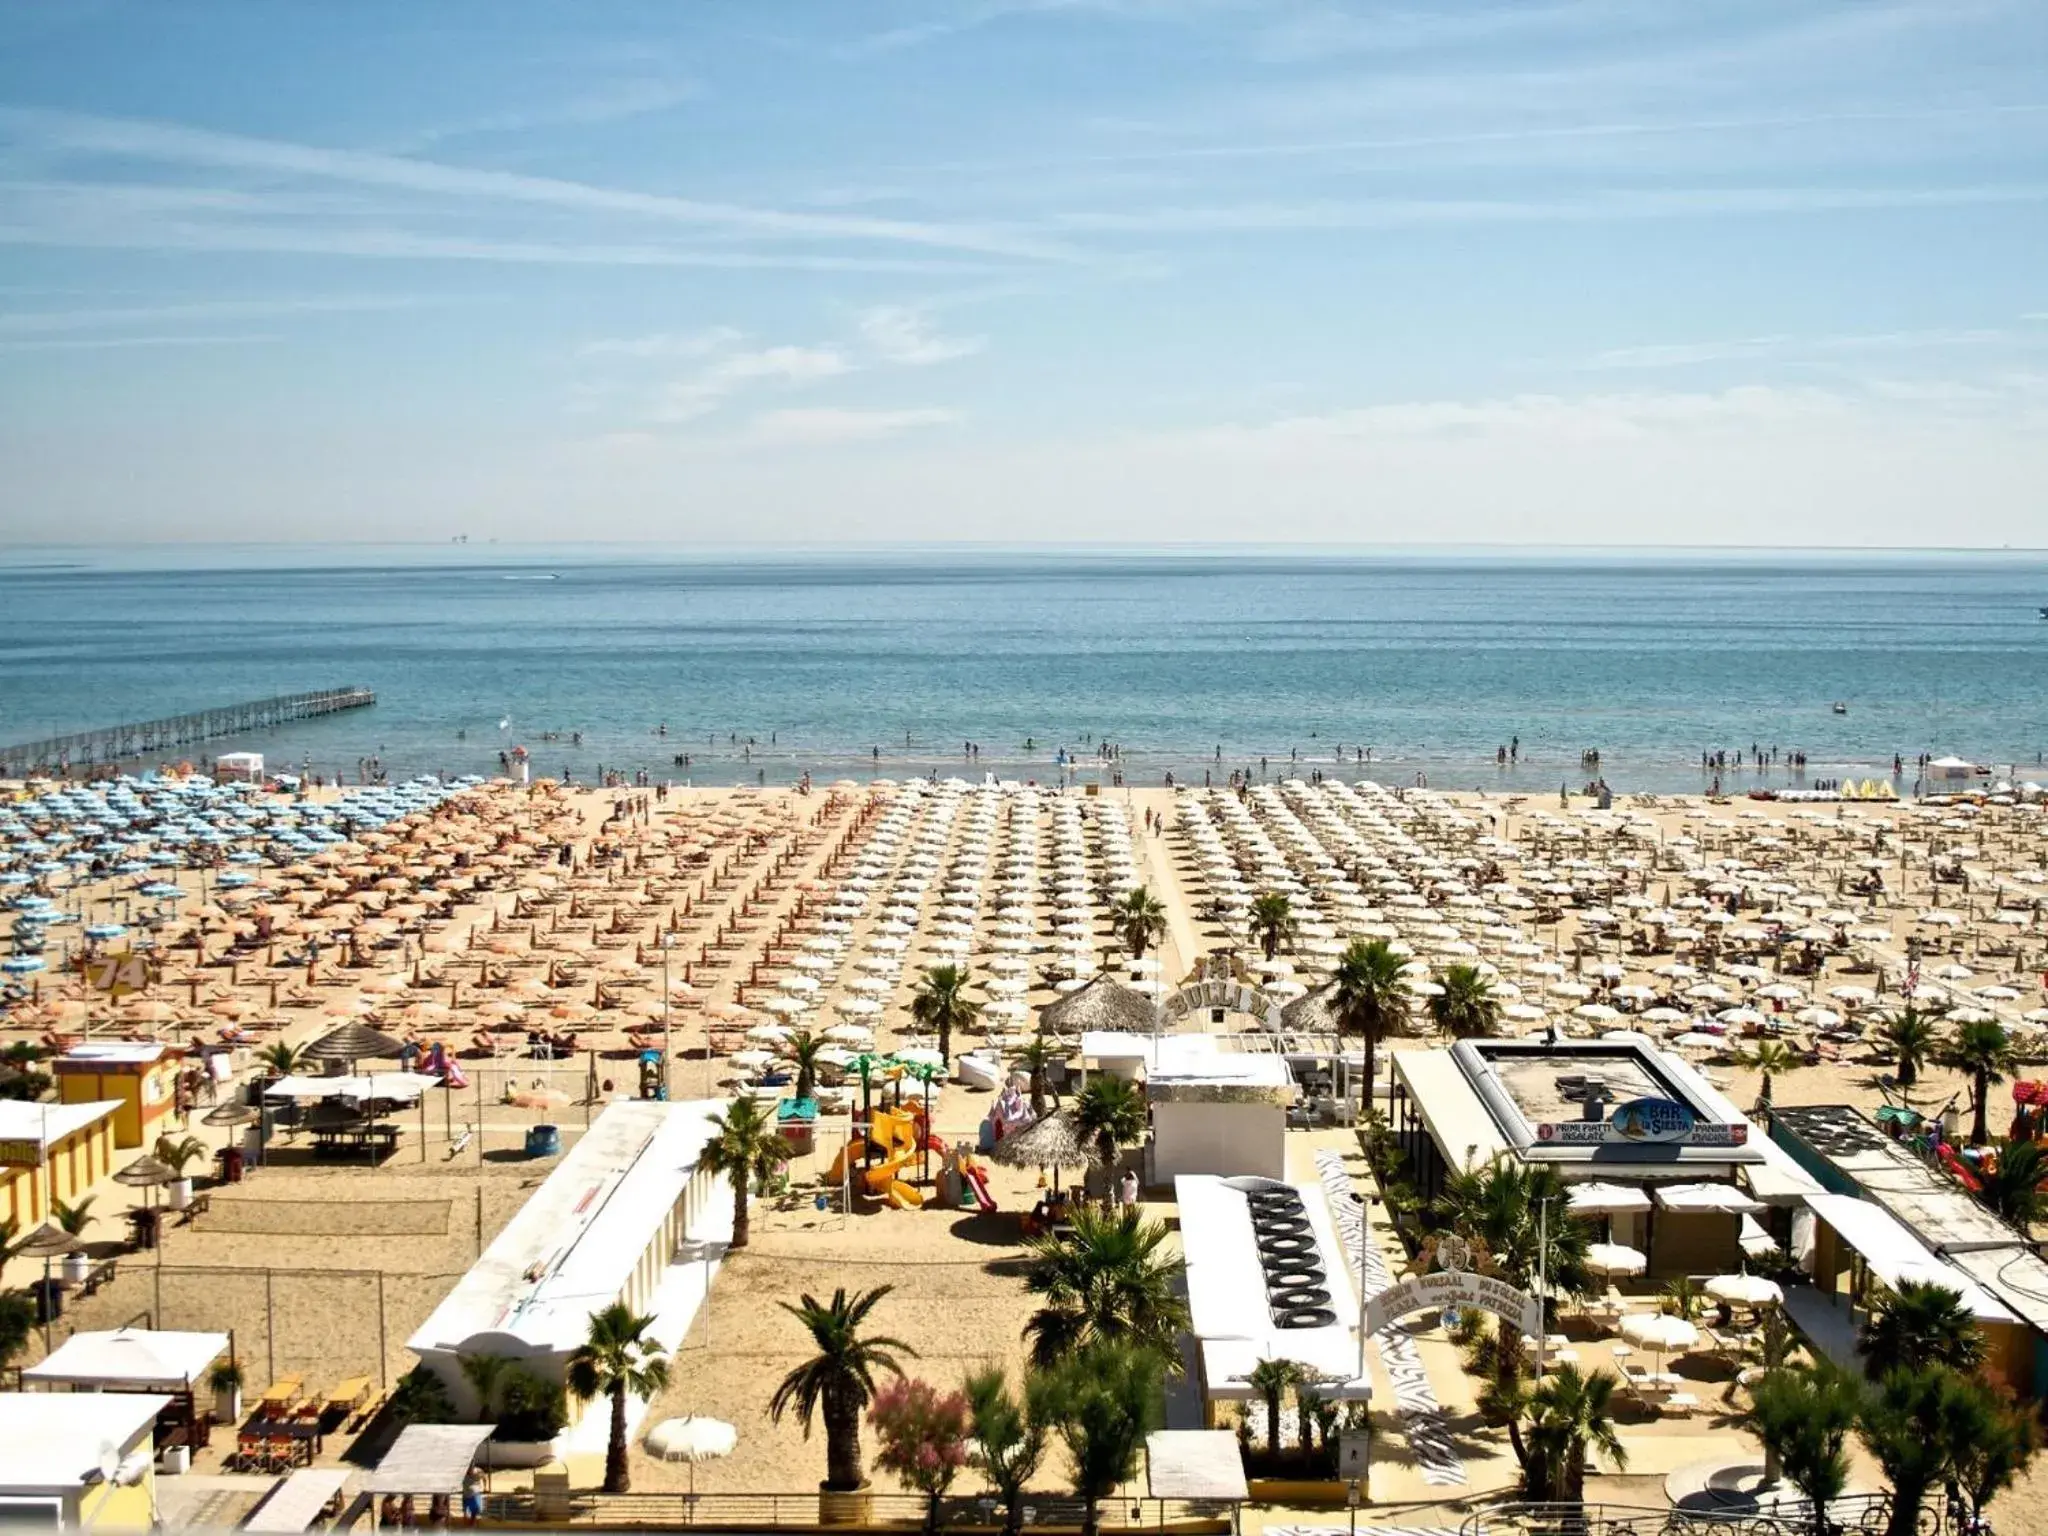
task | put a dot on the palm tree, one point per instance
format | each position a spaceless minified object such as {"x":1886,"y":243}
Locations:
{"x":1272,"y":921}
{"x":1501,"y":1360}
{"x":1112,"y":1110}
{"x":421,"y":1398}
{"x":802,"y":1048}
{"x":1911,"y":1034}
{"x":2011,"y":1187}
{"x":1901,"y":1426}
{"x":1983,"y":1050}
{"x":1803,"y":1416}
{"x":1103,"y":1403}
{"x":1107,"y":1278}
{"x":1464,"y":1005}
{"x":1036,"y":1056}
{"x":617,"y":1358}
{"x":940,"y":1004}
{"x":73,"y":1218}
{"x":747,"y":1148}
{"x":1370,"y":996}
{"x":1518,"y":1214}
{"x":1009,"y":1439}
{"x":179,"y":1152}
{"x":1140,"y":920}
{"x":1915,"y":1324}
{"x":1771,"y":1058}
{"x":279,"y":1059}
{"x":1271,"y":1379}
{"x":839,"y":1380}
{"x":1570,"y":1414}
{"x":485,"y":1374}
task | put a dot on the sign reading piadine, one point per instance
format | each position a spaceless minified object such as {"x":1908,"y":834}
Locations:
{"x":1645,"y":1122}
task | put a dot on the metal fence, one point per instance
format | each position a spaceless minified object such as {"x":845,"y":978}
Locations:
{"x":1855,"y":1513}
{"x":140,"y":738}
{"x":888,"y":1511}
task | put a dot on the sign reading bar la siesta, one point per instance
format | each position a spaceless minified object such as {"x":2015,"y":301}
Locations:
{"x":1454,"y":1288}
{"x":1643,"y":1122}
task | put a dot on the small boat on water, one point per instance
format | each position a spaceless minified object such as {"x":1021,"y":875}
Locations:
{"x":2044,"y":610}
{"x":1840,"y":707}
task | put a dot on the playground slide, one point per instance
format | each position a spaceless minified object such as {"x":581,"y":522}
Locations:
{"x":977,"y":1180}
{"x":905,"y":1197}
{"x":933,"y":1144}
{"x":882,"y":1177}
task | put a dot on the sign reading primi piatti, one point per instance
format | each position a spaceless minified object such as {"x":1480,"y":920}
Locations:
{"x":1643,"y":1122}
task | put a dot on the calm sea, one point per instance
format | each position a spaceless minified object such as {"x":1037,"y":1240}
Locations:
{"x":1432,"y":661}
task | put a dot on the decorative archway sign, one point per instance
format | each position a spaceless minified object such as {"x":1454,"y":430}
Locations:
{"x":1230,"y":996}
{"x":1455,"y":1288}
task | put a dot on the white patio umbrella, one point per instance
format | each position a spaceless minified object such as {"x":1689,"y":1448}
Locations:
{"x":1744,"y":1290}
{"x":691,"y":1440}
{"x":1615,"y":1259}
{"x":1659,"y":1331}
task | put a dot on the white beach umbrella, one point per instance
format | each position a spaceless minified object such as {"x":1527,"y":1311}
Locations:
{"x":1744,"y":1290}
{"x":691,"y":1440}
{"x":1659,"y":1331}
{"x":1615,"y":1259}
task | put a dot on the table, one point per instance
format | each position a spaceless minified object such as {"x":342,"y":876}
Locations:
{"x":347,"y":1396}
{"x":376,"y":1140}
{"x":283,"y":1392}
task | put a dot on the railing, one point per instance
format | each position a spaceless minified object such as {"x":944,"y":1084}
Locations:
{"x":1855,"y":1513}
{"x":884,"y":1511}
{"x":114,"y":743}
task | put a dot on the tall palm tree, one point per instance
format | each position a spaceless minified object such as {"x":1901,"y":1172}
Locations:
{"x":1112,"y":1110}
{"x":941,"y":1005}
{"x":1983,"y":1050}
{"x":1009,"y":1438}
{"x":1770,"y":1058}
{"x":1912,"y":1035}
{"x":1140,"y":920}
{"x":1464,"y":1005}
{"x":746,"y":1148}
{"x":1036,"y":1056}
{"x":1272,"y":921}
{"x":2011,"y":1188}
{"x":1370,"y":997}
{"x":1519,"y":1216}
{"x":617,"y":1358}
{"x":1570,"y":1414}
{"x":1107,"y":1278}
{"x":1103,"y":1403}
{"x":802,"y":1048}
{"x":1919,"y":1323}
{"x":1271,"y":1379}
{"x":839,"y":1380}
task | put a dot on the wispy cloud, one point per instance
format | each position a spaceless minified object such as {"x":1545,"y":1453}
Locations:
{"x":1751,"y":348}
{"x":617,"y":101}
{"x":898,"y":334}
{"x":702,"y":393}
{"x":43,"y":322}
{"x":173,"y":143}
{"x":126,"y":343}
{"x":825,"y":425}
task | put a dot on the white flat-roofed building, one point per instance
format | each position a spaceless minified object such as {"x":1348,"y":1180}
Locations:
{"x":627,"y":1216}
{"x":1215,"y":1110}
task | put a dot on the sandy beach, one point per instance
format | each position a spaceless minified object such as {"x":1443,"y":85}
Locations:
{"x":522,"y":930}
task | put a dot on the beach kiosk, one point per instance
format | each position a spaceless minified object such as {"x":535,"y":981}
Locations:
{"x":79,"y":1461}
{"x":141,"y":1076}
{"x":142,"y":1360}
{"x":51,"y":1152}
{"x":246,"y":766}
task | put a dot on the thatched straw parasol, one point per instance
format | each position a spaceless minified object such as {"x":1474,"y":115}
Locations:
{"x":1313,"y":1013}
{"x":145,"y":1173}
{"x":1054,"y":1142}
{"x":351,"y":1043}
{"x":1103,"y":1004}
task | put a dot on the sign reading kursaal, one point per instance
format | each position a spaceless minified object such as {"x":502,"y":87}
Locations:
{"x":1454,"y":1288}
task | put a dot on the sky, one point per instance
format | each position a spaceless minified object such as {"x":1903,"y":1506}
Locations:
{"x":826,"y":272}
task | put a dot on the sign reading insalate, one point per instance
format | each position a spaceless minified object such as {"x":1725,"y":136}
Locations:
{"x":1644,"y":1122}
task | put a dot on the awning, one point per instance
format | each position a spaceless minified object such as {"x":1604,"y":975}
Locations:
{"x":297,"y":1501}
{"x":429,"y":1459}
{"x":1195,"y":1464}
{"x":1695,"y":1198}
{"x":1896,"y":1256}
{"x":1596,"y":1198}
{"x":130,"y":1357}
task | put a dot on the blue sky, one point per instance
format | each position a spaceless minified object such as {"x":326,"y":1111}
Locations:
{"x":1603,"y":271}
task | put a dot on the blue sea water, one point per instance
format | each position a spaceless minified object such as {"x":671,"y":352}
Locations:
{"x":1430,"y":659}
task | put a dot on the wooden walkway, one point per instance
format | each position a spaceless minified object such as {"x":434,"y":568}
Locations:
{"x":151,"y":738}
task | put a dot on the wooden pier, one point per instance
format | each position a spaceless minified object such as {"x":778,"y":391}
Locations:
{"x":157,"y":738}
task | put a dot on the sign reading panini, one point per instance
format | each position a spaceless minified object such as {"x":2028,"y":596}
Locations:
{"x":1454,"y":1288}
{"x":1643,"y":1122}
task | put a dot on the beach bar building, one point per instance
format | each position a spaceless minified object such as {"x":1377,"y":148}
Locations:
{"x":626,"y":1216}
{"x":1686,"y":1178}
{"x":1214,"y":1110}
{"x":51,"y":1152}
{"x":141,"y":1075}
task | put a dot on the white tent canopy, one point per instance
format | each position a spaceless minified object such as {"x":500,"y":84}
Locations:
{"x":131,"y":1357}
{"x":298,"y":1500}
{"x":1195,"y":1464}
{"x":1597,"y":1198}
{"x":1724,"y":1198}
{"x":367,"y":1085}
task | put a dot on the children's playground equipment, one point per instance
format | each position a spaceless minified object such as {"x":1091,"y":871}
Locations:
{"x":895,"y":1137}
{"x":1010,"y":1113}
